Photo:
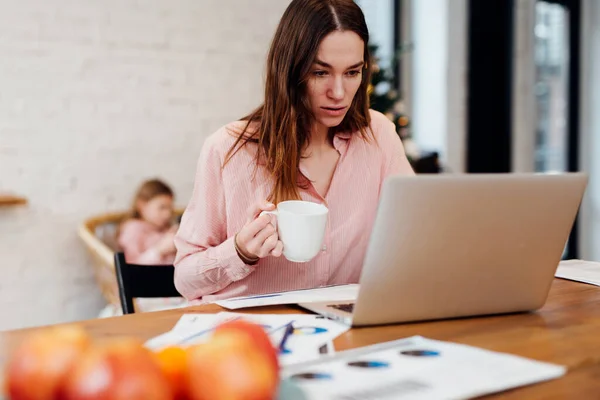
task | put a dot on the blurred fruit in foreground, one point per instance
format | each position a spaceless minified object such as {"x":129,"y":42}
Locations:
{"x":120,"y":370}
{"x":233,"y":365}
{"x":39,"y":366}
{"x":238,"y":362}
{"x":173,"y":363}
{"x":256,"y":334}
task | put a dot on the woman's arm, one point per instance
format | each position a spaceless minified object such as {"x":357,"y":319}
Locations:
{"x":206,"y":260}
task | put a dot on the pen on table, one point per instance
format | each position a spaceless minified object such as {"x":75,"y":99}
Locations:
{"x":288,"y":332}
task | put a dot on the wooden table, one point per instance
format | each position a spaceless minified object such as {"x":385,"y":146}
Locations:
{"x":565,"y":331}
{"x":11,"y":200}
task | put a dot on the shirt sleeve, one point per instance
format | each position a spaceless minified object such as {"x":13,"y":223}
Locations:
{"x":206,"y":260}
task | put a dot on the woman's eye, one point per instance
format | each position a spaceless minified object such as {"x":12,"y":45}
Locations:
{"x":320,"y":73}
{"x":353,"y":73}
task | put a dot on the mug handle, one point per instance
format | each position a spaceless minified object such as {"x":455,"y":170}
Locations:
{"x":274,"y":212}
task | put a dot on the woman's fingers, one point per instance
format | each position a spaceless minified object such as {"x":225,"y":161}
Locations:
{"x":259,"y":244}
{"x":258,"y":238}
{"x":278,"y":250}
{"x":257,"y":208}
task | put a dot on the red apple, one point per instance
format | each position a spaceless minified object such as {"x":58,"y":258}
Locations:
{"x":38,"y":367}
{"x":230,"y":366}
{"x":256,"y":334}
{"x":120,"y":370}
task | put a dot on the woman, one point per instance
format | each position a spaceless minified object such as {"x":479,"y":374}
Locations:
{"x":314,"y":138}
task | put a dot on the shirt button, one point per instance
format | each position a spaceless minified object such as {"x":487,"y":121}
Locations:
{"x":324,"y":248}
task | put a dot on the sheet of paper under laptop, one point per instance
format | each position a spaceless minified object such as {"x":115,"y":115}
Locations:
{"x":413,"y":368}
{"x":580,"y":271}
{"x":329,"y":293}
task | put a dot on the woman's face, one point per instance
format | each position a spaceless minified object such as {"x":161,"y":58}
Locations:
{"x":335,"y":77}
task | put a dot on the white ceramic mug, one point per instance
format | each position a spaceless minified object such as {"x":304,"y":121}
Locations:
{"x":301,"y":228}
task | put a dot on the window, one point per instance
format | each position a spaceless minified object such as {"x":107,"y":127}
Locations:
{"x":552,"y":86}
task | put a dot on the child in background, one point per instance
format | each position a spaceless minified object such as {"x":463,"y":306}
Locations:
{"x":146,"y":237}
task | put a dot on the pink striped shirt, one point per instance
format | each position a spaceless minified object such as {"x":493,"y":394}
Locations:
{"x":207,"y":266}
{"x":139,"y":239}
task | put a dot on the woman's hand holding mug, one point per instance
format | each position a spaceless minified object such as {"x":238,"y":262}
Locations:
{"x":258,"y":238}
{"x":298,"y":234}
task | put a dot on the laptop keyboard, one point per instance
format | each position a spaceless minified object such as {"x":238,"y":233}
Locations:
{"x":349,"y":307}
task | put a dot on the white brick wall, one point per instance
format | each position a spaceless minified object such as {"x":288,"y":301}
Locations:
{"x":95,"y":96}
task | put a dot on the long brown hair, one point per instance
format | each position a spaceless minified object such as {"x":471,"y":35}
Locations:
{"x":284,"y":121}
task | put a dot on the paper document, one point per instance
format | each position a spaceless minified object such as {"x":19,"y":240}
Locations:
{"x":311,"y":338}
{"x":329,"y":293}
{"x":579,"y":270}
{"x":191,"y":328}
{"x":413,"y":368}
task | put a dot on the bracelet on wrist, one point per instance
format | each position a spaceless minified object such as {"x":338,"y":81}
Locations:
{"x":245,"y":259}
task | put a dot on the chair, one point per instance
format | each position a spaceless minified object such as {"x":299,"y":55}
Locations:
{"x":136,"y":280}
{"x":99,"y":235}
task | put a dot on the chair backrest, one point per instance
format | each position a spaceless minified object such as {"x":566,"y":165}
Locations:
{"x":136,"y":280}
{"x":98,"y":234}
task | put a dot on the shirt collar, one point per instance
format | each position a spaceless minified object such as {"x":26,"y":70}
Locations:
{"x":340,"y":143}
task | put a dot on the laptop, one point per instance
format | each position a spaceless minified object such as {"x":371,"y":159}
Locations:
{"x":449,"y":246}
